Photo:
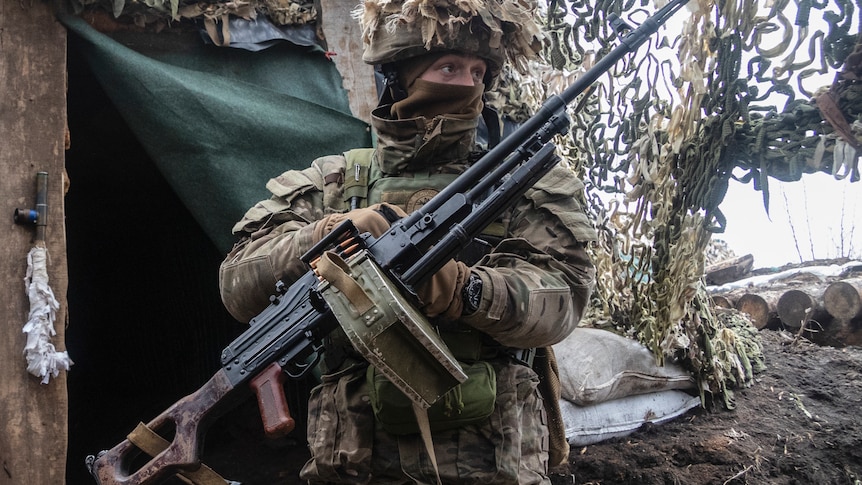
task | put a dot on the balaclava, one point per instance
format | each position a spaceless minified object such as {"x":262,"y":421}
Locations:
{"x":428,"y":99}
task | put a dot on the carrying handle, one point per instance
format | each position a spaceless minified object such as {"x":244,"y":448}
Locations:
{"x":335,"y":270}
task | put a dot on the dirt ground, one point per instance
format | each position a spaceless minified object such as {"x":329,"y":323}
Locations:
{"x":798,"y":424}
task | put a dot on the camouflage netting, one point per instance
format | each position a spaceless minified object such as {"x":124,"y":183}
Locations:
{"x":159,"y":13}
{"x":737,"y":89}
{"x":730,"y":90}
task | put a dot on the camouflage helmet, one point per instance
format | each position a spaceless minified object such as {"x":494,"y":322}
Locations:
{"x":495,"y":30}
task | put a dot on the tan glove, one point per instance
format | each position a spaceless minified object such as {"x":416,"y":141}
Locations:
{"x":374,"y":219}
{"x":441,"y":294}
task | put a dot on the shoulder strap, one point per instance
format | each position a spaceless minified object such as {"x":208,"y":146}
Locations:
{"x":356,"y":174}
{"x":425,"y":429}
{"x":153,"y":444}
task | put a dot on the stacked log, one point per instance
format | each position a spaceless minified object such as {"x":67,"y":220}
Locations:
{"x":831,"y":316}
{"x":730,"y":270}
{"x":721,"y":301}
{"x":842,"y":300}
{"x":757,"y":307}
{"x":843,"y":303}
{"x":795,"y":307}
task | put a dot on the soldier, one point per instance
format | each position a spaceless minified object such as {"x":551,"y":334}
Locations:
{"x":530,"y":291}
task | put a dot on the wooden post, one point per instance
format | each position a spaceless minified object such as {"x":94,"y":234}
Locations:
{"x":33,"y":416}
{"x":344,"y":40}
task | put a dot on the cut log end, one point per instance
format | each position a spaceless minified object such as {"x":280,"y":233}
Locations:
{"x":756,"y":307}
{"x":842,"y":300}
{"x":794,"y":307}
{"x":721,"y":301}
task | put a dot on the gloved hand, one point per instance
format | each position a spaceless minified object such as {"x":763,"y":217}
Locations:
{"x":438,"y":295}
{"x":441,"y":294}
{"x":375,"y":219}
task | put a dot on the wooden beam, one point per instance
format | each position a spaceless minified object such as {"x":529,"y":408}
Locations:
{"x":33,"y":416}
{"x":730,"y":270}
{"x":344,"y":39}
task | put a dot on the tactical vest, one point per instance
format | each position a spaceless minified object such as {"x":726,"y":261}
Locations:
{"x":364,"y":184}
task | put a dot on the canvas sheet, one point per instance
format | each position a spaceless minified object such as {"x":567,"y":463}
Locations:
{"x":219,"y":122}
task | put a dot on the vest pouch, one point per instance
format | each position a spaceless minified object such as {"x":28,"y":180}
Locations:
{"x":464,"y":342}
{"x":386,"y":329}
{"x":470,"y":402}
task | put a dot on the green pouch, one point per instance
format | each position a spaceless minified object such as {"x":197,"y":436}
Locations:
{"x":467,"y":403}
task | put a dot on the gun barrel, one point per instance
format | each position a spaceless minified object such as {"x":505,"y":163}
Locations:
{"x":522,"y":179}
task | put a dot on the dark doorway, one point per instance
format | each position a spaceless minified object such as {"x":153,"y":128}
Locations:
{"x":146,"y":321}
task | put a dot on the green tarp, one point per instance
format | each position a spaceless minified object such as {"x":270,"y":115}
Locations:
{"x":219,"y":122}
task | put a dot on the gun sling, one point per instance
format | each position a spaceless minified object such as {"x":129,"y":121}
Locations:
{"x":152,"y":444}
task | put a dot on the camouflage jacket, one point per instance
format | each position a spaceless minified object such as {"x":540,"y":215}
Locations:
{"x":536,"y":281}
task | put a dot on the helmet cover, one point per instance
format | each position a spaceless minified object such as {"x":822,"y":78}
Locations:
{"x":495,"y":30}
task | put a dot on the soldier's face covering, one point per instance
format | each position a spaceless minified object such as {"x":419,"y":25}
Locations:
{"x":441,"y":84}
{"x":430,"y":99}
{"x":436,"y":122}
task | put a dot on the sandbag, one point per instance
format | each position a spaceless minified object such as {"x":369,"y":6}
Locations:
{"x":586,"y":425}
{"x":597,"y":366}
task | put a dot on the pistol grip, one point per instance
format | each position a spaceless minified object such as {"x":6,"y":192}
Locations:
{"x":269,"y":388}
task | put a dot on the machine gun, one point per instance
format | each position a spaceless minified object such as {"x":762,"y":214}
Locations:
{"x":286,"y":339}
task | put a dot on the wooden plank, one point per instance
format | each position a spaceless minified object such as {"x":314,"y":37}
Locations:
{"x":730,"y":270}
{"x":344,"y":39}
{"x":33,"y":416}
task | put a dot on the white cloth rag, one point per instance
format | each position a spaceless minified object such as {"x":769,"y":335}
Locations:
{"x":43,"y":360}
